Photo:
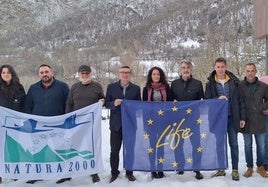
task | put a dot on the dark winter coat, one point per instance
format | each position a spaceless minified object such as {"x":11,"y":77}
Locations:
{"x":49,"y":101}
{"x":115,"y":91}
{"x":237,"y":101}
{"x":256,"y":102}
{"x":16,"y":102}
{"x":191,"y":89}
{"x":145,"y":94}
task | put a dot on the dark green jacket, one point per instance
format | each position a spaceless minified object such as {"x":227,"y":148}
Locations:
{"x":256,"y":102}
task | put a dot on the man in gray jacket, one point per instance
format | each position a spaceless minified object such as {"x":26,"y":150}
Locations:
{"x":256,"y":97}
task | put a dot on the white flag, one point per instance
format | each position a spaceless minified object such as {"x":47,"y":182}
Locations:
{"x":38,"y":147}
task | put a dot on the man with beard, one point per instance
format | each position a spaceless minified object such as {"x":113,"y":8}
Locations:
{"x":187,"y":88}
{"x":47,"y":97}
{"x":82,"y":94}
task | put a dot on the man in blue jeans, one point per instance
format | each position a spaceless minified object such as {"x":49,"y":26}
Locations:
{"x":223,"y":84}
{"x":256,"y":97}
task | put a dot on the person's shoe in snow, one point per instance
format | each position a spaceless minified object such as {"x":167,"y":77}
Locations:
{"x":95,"y":178}
{"x":154,"y":175}
{"x":198,"y":175}
{"x":63,"y":180}
{"x":248,"y":173}
{"x":235,"y":175}
{"x":131,"y":177}
{"x":32,"y":181}
{"x":262,"y":172}
{"x":113,"y":178}
{"x":161,"y":175}
{"x":219,"y":173}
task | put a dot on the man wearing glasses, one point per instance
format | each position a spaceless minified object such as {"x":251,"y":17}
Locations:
{"x":116,"y":92}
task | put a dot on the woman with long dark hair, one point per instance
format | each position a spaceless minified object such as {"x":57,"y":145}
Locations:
{"x":12,"y":93}
{"x":156,"y":89}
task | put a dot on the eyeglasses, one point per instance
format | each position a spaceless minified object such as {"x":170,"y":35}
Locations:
{"x":125,"y":72}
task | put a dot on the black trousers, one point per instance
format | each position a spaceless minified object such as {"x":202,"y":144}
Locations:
{"x":116,"y":143}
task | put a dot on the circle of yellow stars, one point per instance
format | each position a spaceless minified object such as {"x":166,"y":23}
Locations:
{"x":161,"y":159}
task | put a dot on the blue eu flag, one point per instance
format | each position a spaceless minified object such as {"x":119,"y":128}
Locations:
{"x":174,"y":136}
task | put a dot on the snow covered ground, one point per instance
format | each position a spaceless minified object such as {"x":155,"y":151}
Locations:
{"x":144,"y":178}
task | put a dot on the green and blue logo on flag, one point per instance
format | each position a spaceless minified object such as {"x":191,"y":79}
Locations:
{"x":38,"y":147}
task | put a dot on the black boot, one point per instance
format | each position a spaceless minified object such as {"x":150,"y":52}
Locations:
{"x":95,"y":178}
{"x":154,"y":175}
{"x":198,"y":175}
{"x":161,"y":174}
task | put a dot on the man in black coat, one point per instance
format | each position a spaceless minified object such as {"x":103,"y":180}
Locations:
{"x":186,"y":88}
{"x":116,"y":93}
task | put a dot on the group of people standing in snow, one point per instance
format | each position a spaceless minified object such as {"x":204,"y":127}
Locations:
{"x":247,"y":105}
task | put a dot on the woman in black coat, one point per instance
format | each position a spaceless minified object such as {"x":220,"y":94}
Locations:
{"x":156,"y":89}
{"x":12,"y":93}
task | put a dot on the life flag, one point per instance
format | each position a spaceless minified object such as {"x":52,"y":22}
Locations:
{"x":174,"y":136}
{"x":37,"y":147}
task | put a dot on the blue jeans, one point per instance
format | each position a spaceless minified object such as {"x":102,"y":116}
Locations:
{"x":266,"y":142}
{"x":233,"y":143}
{"x":259,"y":139}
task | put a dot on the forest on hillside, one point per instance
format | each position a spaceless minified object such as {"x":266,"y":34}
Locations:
{"x":106,"y":34}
